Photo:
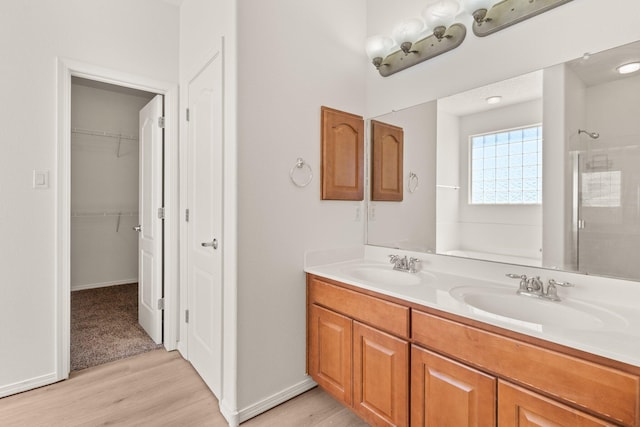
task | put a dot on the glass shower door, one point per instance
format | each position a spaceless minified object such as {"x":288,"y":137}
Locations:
{"x":608,"y":216}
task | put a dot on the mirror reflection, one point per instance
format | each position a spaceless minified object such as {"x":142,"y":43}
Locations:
{"x":539,"y":170}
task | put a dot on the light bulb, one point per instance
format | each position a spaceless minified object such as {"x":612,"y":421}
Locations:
{"x":407,"y":32}
{"x":439,"y":15}
{"x":473,"y":5}
{"x":377,"y":48}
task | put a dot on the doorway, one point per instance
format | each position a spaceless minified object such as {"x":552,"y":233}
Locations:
{"x":67,"y":69}
{"x":113,"y":158}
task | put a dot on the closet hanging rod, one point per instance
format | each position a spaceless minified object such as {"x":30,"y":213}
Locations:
{"x":104,"y":134}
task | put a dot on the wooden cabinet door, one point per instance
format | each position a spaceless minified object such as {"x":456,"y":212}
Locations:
{"x":386,"y":162}
{"x":342,"y":155}
{"x":330,"y":353}
{"x":449,"y":394}
{"x":518,"y":407}
{"x":380,"y":377}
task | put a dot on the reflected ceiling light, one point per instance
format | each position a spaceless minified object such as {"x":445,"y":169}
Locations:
{"x":494,"y":99}
{"x":490,"y":16}
{"x":631,"y":67}
{"x":411,"y":45}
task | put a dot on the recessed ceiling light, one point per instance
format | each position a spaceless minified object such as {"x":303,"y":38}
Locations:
{"x":631,"y":67}
{"x":493,"y":99}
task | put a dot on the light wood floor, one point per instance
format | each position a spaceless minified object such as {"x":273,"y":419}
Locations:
{"x":157,"y":388}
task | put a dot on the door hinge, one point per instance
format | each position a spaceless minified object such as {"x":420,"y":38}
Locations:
{"x":187,"y":114}
{"x":160,"y":303}
{"x":186,"y":215}
{"x":161,"y":122}
{"x":186,"y":316}
{"x":160,"y":213}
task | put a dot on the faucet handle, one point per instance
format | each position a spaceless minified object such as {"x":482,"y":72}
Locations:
{"x":563,"y":284}
{"x":412,"y":265}
{"x":393,"y":258}
{"x":552,"y":291}
{"x":523,"y":280}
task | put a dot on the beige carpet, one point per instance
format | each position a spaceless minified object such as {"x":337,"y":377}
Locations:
{"x":104,"y":326}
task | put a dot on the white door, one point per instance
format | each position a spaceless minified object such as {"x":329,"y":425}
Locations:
{"x":204,"y":236}
{"x":150,"y":228}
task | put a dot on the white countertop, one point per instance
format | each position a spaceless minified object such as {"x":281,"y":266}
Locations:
{"x":617,"y":338}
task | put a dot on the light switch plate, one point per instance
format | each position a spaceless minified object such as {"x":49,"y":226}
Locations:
{"x":40,"y":179}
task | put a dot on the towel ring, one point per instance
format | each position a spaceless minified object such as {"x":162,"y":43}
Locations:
{"x":300,"y":164}
{"x":413,"y":182}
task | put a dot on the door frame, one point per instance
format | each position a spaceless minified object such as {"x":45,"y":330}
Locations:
{"x":66,"y":69}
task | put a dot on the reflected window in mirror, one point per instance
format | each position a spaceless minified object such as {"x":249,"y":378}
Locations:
{"x":506,"y":167}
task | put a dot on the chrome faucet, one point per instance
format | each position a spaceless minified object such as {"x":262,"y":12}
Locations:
{"x":403,"y":264}
{"x":534,"y":287}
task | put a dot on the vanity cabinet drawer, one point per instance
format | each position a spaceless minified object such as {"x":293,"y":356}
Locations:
{"x":606,"y":391}
{"x":519,"y":407}
{"x":384,"y":315}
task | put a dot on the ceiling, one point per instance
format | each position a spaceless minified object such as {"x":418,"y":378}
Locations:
{"x":594,"y":69}
{"x":526,"y":87}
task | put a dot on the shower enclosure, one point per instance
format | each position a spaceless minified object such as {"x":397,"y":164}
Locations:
{"x":606,"y":213}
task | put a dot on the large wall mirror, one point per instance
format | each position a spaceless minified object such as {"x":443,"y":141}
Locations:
{"x":542,"y":169}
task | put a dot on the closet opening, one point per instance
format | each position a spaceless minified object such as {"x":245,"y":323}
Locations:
{"x":116,"y":223}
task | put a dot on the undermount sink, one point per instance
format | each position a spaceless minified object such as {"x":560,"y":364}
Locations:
{"x":386,"y":275}
{"x":504,"y":304}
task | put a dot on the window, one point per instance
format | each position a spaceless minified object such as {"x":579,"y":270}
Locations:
{"x":506,"y":167}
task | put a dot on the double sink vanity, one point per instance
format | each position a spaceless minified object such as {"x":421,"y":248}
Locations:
{"x":433,"y":348}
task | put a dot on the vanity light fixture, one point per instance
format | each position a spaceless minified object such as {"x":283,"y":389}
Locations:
{"x":410,"y":45}
{"x":490,"y":16}
{"x":494,"y":99}
{"x":631,"y":67}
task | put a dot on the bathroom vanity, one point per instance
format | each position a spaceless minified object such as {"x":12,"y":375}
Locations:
{"x":429,"y":349}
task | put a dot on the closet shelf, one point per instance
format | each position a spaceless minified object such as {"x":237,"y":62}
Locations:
{"x":114,"y":135}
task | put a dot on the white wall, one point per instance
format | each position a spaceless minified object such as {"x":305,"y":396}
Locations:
{"x":293,"y":57}
{"x":410,"y":224}
{"x":104,"y":249}
{"x":116,"y":34}
{"x":448,"y":179}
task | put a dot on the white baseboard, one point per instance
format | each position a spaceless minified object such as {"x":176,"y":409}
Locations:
{"x":29,"y":384}
{"x":229,"y":415}
{"x":274,"y":400}
{"x":102,"y":284}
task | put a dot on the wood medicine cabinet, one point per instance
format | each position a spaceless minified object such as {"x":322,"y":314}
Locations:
{"x":342,"y":165}
{"x":386,"y":162}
